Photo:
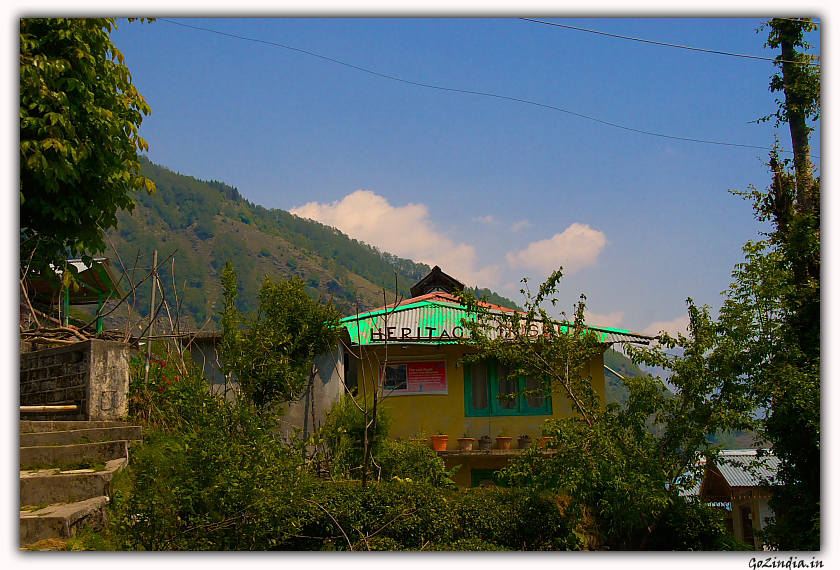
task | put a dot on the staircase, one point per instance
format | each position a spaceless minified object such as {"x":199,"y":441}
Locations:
{"x":66,"y":469}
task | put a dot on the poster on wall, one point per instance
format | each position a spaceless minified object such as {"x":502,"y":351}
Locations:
{"x":426,"y":377}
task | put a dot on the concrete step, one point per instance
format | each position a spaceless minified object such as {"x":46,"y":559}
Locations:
{"x":31,"y":426}
{"x":62,"y":520}
{"x":69,"y":437}
{"x":47,"y":487}
{"x":57,"y":455}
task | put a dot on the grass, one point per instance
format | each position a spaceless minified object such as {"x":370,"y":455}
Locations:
{"x":96,"y":466}
{"x":33,"y":508}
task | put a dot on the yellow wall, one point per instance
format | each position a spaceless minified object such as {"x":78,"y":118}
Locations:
{"x":431,"y":413}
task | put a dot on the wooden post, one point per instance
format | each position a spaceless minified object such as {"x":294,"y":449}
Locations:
{"x":151,"y":320}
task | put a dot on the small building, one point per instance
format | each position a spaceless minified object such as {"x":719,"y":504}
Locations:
{"x":415,"y":344}
{"x":96,"y":284}
{"x":738,"y":482}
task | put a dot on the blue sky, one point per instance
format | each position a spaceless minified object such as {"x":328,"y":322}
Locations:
{"x":490,"y":189}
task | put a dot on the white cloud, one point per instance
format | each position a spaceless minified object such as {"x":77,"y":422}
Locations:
{"x":577,"y":247}
{"x":678,"y":325}
{"x":486,"y":220}
{"x":609,"y":320}
{"x":405,"y":231}
{"x":519,"y":225}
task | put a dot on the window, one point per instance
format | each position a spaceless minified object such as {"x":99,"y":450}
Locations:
{"x":489,"y":391}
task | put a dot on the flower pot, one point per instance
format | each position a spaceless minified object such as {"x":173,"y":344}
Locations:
{"x":485,"y":443}
{"x":439,"y":442}
{"x":503,"y":442}
{"x":466,"y":443}
{"x":524,"y":442}
{"x":544,"y":441}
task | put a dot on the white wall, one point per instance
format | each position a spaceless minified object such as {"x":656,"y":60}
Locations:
{"x":328,"y":388}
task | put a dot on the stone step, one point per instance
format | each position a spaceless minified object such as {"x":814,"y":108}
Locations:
{"x":62,"y":520}
{"x":47,"y":487}
{"x":32,"y":426}
{"x":56,"y":455}
{"x":69,"y":437}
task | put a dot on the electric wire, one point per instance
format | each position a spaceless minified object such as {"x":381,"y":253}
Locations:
{"x":774,"y":60}
{"x":470,"y":92}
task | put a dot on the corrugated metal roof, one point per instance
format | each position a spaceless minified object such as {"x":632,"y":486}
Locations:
{"x":743,"y":467}
{"x":437,"y":318}
{"x":613,"y":336}
{"x":94,"y":281}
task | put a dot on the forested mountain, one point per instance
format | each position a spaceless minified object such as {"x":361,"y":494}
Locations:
{"x":206,"y":223}
{"x":615,"y":389}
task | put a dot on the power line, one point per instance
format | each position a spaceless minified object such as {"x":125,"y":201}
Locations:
{"x":469,"y":92}
{"x":669,"y":45}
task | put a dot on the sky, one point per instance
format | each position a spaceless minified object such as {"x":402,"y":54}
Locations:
{"x":482,"y":145}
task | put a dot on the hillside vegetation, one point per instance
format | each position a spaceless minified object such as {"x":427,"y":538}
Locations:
{"x":207,"y":223}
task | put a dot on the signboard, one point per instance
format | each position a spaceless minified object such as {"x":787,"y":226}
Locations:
{"x":416,"y":377}
{"x":419,"y":334}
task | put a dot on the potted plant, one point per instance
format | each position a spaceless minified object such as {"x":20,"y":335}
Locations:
{"x":466,"y":442}
{"x":524,"y":441}
{"x":439,"y":441}
{"x":545,"y":441}
{"x":503,"y":440}
{"x":485,"y":443}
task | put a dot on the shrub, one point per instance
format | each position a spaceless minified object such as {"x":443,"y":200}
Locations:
{"x":517,"y":519}
{"x":396,"y":515}
{"x":413,"y":461}
{"x":691,"y":524}
{"x":344,"y":433}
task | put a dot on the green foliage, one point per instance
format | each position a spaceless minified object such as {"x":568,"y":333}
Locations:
{"x":79,"y":121}
{"x":535,"y":345}
{"x":272,"y":356}
{"x":801,"y":80}
{"x":691,"y":524}
{"x":467,"y":544}
{"x":211,"y":474}
{"x":516,"y":519}
{"x":193,"y":482}
{"x":622,"y":465}
{"x":770,"y":322}
{"x":413,"y":461}
{"x":344,"y":433}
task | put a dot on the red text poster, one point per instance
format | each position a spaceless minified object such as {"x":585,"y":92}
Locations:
{"x":427,"y":377}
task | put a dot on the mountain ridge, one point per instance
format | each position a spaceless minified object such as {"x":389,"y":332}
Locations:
{"x":209,"y":222}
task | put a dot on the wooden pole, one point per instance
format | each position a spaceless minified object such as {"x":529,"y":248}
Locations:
{"x":151,"y":321}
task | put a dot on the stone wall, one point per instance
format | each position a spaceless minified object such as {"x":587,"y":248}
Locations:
{"x":92,"y":375}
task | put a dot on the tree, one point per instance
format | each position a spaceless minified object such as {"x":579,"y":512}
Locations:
{"x":271,"y":352}
{"x":79,"y":121}
{"x":770,"y":321}
{"x":610,"y":460}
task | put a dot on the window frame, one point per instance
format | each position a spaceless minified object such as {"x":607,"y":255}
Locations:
{"x":494,"y":408}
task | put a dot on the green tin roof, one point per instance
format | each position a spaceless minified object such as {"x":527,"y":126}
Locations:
{"x":439,"y":322}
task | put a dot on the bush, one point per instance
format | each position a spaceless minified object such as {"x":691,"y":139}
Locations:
{"x":208,"y":486}
{"x":398,"y":515}
{"x":413,"y":461}
{"x":517,"y":519}
{"x":472,"y":544}
{"x":344,"y":433}
{"x":691,"y":524}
